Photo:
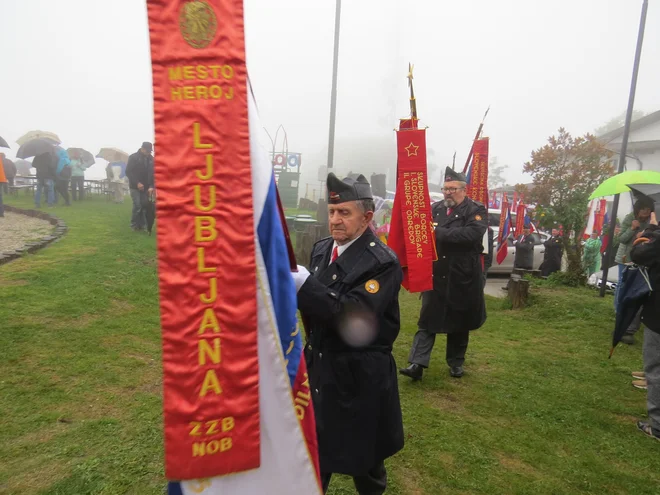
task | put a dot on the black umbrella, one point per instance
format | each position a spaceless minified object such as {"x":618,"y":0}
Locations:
{"x":35,"y":147}
{"x":633,"y":291}
{"x":647,"y":191}
{"x":150,"y":211}
{"x":3,"y":143}
{"x":85,"y":156}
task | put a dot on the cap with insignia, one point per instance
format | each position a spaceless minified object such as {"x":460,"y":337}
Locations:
{"x":341,"y":191}
{"x":451,"y":175}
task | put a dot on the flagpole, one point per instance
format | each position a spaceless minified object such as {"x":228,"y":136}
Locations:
{"x":333,"y":91}
{"x":624,"y":144}
{"x":481,"y":126}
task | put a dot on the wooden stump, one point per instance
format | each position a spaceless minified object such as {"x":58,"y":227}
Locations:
{"x":518,"y":291}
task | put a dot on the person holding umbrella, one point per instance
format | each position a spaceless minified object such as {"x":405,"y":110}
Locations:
{"x":63,"y":175}
{"x":646,"y":252}
{"x":3,"y":184}
{"x":80,"y":161}
{"x":45,"y":178}
{"x":140,"y":173}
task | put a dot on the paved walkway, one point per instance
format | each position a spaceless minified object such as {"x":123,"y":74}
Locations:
{"x":16,"y":230}
{"x":494,"y":284}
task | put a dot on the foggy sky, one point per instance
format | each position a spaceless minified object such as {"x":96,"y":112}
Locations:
{"x":81,"y":68}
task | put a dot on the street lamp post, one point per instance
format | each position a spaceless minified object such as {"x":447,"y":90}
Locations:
{"x":333,"y":91}
{"x":624,"y":144}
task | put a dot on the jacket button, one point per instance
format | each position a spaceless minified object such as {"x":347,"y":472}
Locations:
{"x":316,"y":390}
{"x":443,"y":257}
{"x":334,"y":277}
{"x":372,"y":244}
{"x":320,"y":354}
{"x":309,"y":347}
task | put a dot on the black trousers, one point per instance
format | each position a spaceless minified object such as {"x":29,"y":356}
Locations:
{"x":372,"y":483}
{"x":423,"y":342}
{"x":62,"y":187}
{"x":77,"y":188}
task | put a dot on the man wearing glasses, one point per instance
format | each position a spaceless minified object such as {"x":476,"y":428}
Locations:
{"x":456,"y":304}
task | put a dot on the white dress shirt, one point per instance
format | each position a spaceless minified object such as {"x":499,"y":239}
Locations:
{"x":341,"y":249}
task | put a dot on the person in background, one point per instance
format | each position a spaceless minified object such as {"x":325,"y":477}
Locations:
{"x":554,"y":250}
{"x":456,"y":305}
{"x":3,"y":184}
{"x":646,"y":252}
{"x":631,"y":228}
{"x":116,"y":172}
{"x":77,"y":177}
{"x":10,"y":171}
{"x":45,"y":178}
{"x":524,"y":244}
{"x":591,"y":254}
{"x":140,"y":173}
{"x":62,"y":175}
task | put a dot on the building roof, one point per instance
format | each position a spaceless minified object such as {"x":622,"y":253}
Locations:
{"x":649,"y":119}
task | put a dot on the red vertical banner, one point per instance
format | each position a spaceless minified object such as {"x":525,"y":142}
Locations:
{"x":412,"y":235}
{"x":206,"y":245}
{"x":520,"y":218}
{"x":477,"y":189}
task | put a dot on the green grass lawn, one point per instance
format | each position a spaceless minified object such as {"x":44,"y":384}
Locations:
{"x":541,"y":409}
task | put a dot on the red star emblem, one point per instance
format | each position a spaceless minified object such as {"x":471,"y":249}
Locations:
{"x":411,"y":149}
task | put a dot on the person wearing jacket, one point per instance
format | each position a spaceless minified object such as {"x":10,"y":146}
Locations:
{"x":631,"y":228}
{"x":46,"y":163}
{"x":140,"y":173}
{"x":554,"y":250}
{"x":350,"y":303}
{"x":77,"y":177}
{"x":62,"y":175}
{"x":10,"y":170}
{"x":456,"y":305}
{"x":524,"y":244}
{"x":3,"y":183}
{"x":646,"y":252}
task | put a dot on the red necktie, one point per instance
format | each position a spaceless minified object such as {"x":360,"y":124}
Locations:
{"x":335,"y":254}
{"x":449,"y":211}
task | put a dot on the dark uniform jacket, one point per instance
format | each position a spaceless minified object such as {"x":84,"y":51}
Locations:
{"x":355,"y":390}
{"x":554,"y":249}
{"x":648,"y":255}
{"x":524,"y":252}
{"x":456,"y":303}
{"x":140,"y":168}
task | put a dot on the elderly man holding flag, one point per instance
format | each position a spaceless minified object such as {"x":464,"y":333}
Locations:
{"x":350,"y":303}
{"x":456,"y":304}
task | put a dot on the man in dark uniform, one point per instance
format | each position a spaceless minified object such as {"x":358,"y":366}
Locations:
{"x":554,"y":249}
{"x":350,"y":306}
{"x":456,"y":304}
{"x":524,"y":244}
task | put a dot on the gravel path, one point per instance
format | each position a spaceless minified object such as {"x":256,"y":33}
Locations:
{"x":16,"y":230}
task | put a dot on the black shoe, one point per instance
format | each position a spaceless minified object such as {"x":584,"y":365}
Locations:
{"x":456,"y":371}
{"x":414,"y":371}
{"x":628,"y":339}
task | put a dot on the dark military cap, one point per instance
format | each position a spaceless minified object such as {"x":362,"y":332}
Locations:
{"x":453,"y":175}
{"x":341,"y":191}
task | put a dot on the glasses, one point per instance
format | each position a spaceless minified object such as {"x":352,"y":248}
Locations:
{"x":451,"y":190}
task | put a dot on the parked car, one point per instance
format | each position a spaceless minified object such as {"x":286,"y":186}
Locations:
{"x":507,"y":264}
{"x":596,"y":279}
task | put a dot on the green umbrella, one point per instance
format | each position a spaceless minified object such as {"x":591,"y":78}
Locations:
{"x":619,"y":183}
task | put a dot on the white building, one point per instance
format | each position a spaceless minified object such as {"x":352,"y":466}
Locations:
{"x":643,"y":150}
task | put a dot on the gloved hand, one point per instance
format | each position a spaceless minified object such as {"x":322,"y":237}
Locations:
{"x":300,"y":276}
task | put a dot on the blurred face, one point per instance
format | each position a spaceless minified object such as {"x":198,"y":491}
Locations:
{"x":347,"y":221}
{"x":526,"y":232}
{"x":644,"y":214}
{"x":555,"y":232}
{"x":454,"y":192}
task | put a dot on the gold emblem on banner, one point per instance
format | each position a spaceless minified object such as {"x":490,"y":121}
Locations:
{"x":372,"y":286}
{"x":198,"y":486}
{"x":198,"y":23}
